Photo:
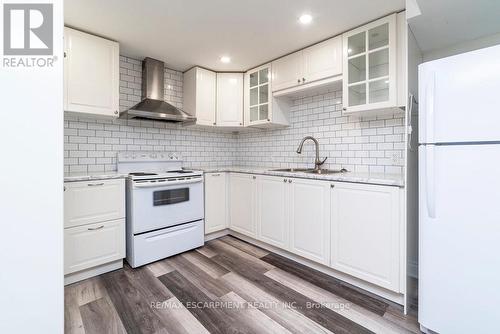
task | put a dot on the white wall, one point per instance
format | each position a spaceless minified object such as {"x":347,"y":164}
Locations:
{"x":31,"y":193}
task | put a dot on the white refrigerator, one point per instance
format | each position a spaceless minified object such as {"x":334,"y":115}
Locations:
{"x":459,"y":193}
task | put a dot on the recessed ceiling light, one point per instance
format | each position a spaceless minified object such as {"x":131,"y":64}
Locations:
{"x":225,"y":59}
{"x":305,"y":19}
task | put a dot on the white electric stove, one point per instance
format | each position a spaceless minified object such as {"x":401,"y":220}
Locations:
{"x":165,"y":206}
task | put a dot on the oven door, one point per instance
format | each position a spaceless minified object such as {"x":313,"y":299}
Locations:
{"x":158,"y":204}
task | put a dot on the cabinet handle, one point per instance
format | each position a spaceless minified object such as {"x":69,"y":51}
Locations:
{"x":345,"y":109}
{"x":95,"y":228}
{"x":289,"y":181}
{"x":214,"y":123}
{"x":269,"y":120}
{"x":65,"y":55}
{"x":64,"y":188}
{"x":303,"y":80}
{"x":254,"y":177}
{"x":116,"y":112}
{"x":332,"y":186}
{"x":298,"y":80}
{"x":218,"y":174}
{"x":95,"y":184}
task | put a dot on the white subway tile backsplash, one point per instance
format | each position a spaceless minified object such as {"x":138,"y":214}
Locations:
{"x":368,"y":144}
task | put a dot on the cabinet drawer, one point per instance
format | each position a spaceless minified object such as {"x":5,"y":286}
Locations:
{"x":93,"y":201}
{"x":92,"y":245}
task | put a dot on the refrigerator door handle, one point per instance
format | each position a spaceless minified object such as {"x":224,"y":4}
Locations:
{"x":430,"y":185}
{"x":429,"y":104}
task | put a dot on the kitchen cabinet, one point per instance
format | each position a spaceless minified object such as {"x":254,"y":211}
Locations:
{"x":91,"y":74}
{"x":309,"y":209}
{"x":229,"y":99}
{"x":272,"y":210}
{"x":371,"y":74}
{"x":94,"y":244}
{"x":261,"y":110}
{"x":199,"y":95}
{"x":242,"y":189}
{"x":216,"y":210}
{"x":94,"y":227}
{"x":365,"y":232}
{"x":93,"y":201}
{"x":317,"y":62}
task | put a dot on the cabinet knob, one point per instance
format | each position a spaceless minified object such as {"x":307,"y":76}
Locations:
{"x":345,"y":109}
{"x":116,"y":112}
{"x":298,"y":80}
{"x":65,"y":55}
{"x":269,"y":120}
{"x":214,"y":123}
{"x":303,"y":79}
{"x":332,"y":186}
{"x":241,"y":123}
{"x":284,"y":180}
{"x":254,"y":177}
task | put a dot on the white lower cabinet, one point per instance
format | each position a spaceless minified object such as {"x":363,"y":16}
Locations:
{"x":242,"y":203}
{"x":365,"y":235}
{"x":92,"y":245}
{"x":272,"y":210}
{"x":309,"y":208}
{"x":94,"y":227}
{"x":216,"y":209}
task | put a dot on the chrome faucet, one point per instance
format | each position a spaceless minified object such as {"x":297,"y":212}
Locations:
{"x":317,"y":161}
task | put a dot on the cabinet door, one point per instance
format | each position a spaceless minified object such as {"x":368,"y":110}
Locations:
{"x":365,"y":232}
{"x":287,"y":71}
{"x":242,"y":203}
{"x":91,"y":245}
{"x":91,"y":74}
{"x":93,"y":201}
{"x":229,"y":99}
{"x":310,"y":219}
{"x":206,"y":92}
{"x":258,"y":108}
{"x":369,"y":54}
{"x":272,"y":210}
{"x":323,"y":60}
{"x":215,"y":202}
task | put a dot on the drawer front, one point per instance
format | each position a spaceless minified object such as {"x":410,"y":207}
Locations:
{"x":93,"y":201}
{"x":92,"y":245}
{"x":153,"y":246}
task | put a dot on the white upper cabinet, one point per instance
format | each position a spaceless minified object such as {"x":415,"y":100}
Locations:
{"x":288,"y":71}
{"x":370,"y":67}
{"x":91,"y":74}
{"x":366,"y":230}
{"x":318,"y":62}
{"x":261,"y":109}
{"x":229,"y":99}
{"x":216,"y":210}
{"x":323,"y":60}
{"x":199,"y":96}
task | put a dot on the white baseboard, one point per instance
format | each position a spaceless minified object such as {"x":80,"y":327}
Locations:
{"x":88,"y":273}
{"x":215,"y":235}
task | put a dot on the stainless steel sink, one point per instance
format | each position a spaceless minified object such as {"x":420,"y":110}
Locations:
{"x":310,"y":170}
{"x":293,"y":170}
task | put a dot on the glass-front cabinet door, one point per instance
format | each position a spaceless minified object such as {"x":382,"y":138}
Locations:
{"x":258,"y":95}
{"x":370,"y":66}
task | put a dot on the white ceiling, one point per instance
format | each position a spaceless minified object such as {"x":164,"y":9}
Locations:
{"x":184,"y":33}
{"x":445,"y":23}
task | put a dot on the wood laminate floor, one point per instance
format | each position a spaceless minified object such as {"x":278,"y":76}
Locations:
{"x":227,"y":286}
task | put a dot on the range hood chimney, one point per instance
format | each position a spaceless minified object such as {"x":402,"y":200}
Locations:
{"x":153,"y":105}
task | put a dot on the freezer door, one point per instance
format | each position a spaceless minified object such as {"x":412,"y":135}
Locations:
{"x":459,"y":98}
{"x":459,"y":238}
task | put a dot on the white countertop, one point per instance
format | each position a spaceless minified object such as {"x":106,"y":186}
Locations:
{"x":355,"y":177}
{"x":85,"y":176}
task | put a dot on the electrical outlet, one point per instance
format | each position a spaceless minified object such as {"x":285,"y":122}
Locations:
{"x":397,"y":158}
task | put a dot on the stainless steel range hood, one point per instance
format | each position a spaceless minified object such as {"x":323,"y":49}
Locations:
{"x":152,"y":105}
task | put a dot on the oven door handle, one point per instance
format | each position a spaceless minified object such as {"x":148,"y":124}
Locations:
{"x":165,"y":183}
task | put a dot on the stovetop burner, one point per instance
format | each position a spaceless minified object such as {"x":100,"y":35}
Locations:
{"x":142,"y":174}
